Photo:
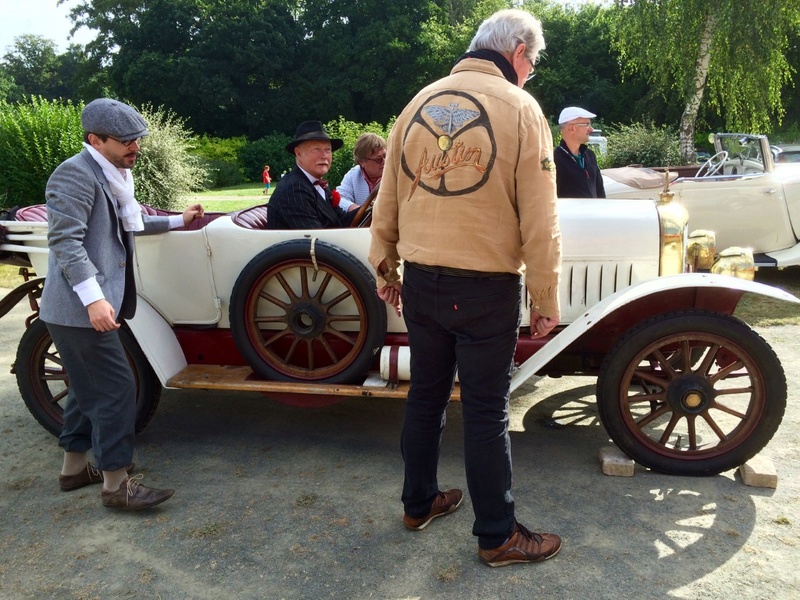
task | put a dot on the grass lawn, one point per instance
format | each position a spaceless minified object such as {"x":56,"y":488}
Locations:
{"x":763,"y":311}
{"x":230,"y":198}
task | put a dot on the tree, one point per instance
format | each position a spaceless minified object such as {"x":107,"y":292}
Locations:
{"x":735,"y":49}
{"x":33,"y":64}
{"x":579,"y":67}
{"x":257,"y":66}
{"x":35,"y":69}
{"x":8,"y":89}
{"x":221,"y":65}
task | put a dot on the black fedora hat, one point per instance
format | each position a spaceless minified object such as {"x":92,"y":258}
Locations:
{"x":312,"y":130}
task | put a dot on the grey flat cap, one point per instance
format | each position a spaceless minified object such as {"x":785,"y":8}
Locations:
{"x":105,"y":116}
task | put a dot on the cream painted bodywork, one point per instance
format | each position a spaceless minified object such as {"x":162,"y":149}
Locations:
{"x":751,"y":203}
{"x":189,"y":276}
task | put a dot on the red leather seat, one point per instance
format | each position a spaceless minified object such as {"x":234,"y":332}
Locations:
{"x":254,"y":217}
{"x":38,"y":212}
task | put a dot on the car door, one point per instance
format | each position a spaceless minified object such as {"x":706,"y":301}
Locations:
{"x":748,"y":211}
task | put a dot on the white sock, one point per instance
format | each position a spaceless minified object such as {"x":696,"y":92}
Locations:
{"x":74,"y":462}
{"x":113,"y":479}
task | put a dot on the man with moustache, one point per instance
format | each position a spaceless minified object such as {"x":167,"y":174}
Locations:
{"x":302,"y":199}
{"x":92,"y":215}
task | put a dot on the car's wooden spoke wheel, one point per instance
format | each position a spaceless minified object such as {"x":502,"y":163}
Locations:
{"x":307,"y":315}
{"x":44,"y":385}
{"x":692,"y":393}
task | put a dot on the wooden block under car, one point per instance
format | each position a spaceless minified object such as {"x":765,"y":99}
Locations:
{"x":759,"y":471}
{"x":615,"y":463}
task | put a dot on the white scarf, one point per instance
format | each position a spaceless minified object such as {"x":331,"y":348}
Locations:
{"x":121,"y":182}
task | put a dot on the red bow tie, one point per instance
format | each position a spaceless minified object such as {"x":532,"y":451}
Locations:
{"x":321,"y":183}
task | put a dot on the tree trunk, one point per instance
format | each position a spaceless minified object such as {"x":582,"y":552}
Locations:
{"x":693,"y":104}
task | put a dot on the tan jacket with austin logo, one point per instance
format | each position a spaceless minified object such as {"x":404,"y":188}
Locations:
{"x":469,"y":183}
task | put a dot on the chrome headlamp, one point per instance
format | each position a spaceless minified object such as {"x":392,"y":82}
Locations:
{"x":735,"y":262}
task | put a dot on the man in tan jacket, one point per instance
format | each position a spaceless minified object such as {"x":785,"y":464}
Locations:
{"x":467,"y":202}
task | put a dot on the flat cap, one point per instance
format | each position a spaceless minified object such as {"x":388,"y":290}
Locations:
{"x":574,"y":112}
{"x":105,"y":116}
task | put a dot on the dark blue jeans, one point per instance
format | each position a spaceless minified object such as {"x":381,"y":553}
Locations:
{"x":469,"y":323}
{"x":100,"y":411}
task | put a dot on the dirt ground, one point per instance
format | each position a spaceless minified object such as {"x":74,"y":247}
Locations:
{"x":280,"y":502}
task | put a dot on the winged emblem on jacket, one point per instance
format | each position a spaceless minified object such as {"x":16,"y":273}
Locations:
{"x":449,"y":119}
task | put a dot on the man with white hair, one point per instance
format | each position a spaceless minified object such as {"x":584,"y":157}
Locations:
{"x":467,"y":201}
{"x":577,"y":174}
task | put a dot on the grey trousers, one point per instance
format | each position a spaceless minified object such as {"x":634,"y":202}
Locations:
{"x":100,"y":411}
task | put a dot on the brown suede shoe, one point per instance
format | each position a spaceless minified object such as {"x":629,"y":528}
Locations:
{"x":522,"y":546}
{"x":88,"y":476}
{"x":132,"y":495}
{"x":443,"y":504}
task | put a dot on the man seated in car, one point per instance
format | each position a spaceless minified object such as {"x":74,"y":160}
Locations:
{"x":302,"y":199}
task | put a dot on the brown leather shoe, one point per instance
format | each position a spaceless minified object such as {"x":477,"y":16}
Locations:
{"x":522,"y":546}
{"x":132,"y":495}
{"x":443,"y":504}
{"x":88,"y":476}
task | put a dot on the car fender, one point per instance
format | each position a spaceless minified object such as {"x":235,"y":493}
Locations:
{"x":16,"y":295}
{"x":616,"y":301}
{"x":157,"y":340}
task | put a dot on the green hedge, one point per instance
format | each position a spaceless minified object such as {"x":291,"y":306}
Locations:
{"x":37,"y":135}
{"x":646,"y":145}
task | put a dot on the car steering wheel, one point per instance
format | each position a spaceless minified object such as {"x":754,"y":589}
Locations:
{"x":363,"y":216}
{"x":713,"y":164}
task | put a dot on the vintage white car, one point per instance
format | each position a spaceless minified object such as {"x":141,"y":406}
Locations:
{"x":738,"y":193}
{"x":682,"y":386}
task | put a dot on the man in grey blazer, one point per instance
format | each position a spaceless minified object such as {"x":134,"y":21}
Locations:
{"x":92,"y":216}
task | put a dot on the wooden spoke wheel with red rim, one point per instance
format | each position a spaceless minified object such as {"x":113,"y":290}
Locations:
{"x":306,"y":310}
{"x":44,"y":385}
{"x":691,"y":393}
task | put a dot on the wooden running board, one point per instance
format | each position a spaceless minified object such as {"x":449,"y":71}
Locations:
{"x":220,"y":377}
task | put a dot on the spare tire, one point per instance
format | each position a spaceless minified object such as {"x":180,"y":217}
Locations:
{"x":306,"y":310}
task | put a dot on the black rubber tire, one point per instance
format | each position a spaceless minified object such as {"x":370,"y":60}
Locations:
{"x":43,"y":383}
{"x":696,"y":416}
{"x":305,"y":309}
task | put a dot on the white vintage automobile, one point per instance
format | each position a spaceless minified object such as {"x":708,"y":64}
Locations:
{"x":682,"y":386}
{"x":738,"y":193}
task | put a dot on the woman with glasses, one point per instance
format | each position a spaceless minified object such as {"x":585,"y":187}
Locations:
{"x":369,"y":154}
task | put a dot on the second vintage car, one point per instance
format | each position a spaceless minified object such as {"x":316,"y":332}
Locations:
{"x":738,"y":193}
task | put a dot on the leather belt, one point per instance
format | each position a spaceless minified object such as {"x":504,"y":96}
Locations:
{"x":452,"y":271}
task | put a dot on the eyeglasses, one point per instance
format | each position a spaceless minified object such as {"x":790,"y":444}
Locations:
{"x":379,"y":161}
{"x":531,"y":75}
{"x":128,"y":143}
{"x":582,"y":124}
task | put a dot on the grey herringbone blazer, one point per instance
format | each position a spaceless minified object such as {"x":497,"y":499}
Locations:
{"x":85,"y":238}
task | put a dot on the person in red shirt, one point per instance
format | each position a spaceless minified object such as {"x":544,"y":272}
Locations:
{"x":266,"y":179}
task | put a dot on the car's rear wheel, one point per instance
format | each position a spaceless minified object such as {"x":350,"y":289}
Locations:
{"x":305,"y":310}
{"x":691,"y":393}
{"x":43,"y":383}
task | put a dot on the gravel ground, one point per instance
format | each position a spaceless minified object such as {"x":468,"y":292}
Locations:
{"x":280,"y":502}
